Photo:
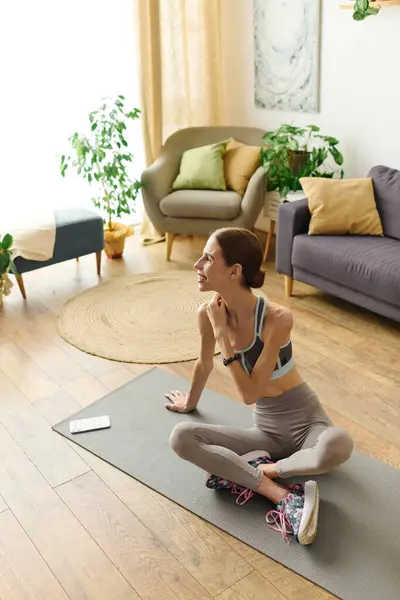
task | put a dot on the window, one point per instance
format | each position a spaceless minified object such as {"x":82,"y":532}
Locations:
{"x":58,"y":60}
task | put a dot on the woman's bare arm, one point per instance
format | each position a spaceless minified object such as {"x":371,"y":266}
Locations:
{"x":186,"y":402}
{"x":205,"y":363}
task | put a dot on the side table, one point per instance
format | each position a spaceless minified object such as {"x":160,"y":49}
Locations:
{"x":273,"y":201}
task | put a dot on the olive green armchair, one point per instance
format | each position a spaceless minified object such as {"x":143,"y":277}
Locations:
{"x":198,"y":212}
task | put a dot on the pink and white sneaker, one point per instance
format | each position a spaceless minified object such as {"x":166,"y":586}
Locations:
{"x":254,"y":458}
{"x":297,"y":514}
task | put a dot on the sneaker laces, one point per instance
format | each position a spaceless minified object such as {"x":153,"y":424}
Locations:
{"x":278,"y":521}
{"x":243,"y":494}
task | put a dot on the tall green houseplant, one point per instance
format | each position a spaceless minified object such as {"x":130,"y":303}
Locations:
{"x":290,"y":153}
{"x":101,"y":156}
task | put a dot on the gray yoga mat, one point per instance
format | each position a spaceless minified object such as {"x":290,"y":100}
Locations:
{"x":357,"y":551}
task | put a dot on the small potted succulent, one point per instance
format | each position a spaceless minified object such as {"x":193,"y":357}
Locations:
{"x":102,"y":157}
{"x":6,"y":265}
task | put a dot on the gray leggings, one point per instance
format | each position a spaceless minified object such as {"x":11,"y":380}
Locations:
{"x":292,"y":427}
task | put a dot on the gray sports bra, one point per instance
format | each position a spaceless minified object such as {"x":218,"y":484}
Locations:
{"x":250,"y":355}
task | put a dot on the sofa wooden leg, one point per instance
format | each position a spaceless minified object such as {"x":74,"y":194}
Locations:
{"x":288,"y":285}
{"x":77,"y":259}
{"x":170,"y":239}
{"x":98,"y":261}
{"x":21,"y":286}
{"x":269,"y":239}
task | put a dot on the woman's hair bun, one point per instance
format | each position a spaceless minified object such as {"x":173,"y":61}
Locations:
{"x":258,"y":279}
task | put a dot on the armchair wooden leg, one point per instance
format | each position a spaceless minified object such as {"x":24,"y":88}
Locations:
{"x":21,"y":286}
{"x":288,"y":285}
{"x":77,"y":259}
{"x":269,"y":239}
{"x":170,"y":239}
{"x":98,"y":261}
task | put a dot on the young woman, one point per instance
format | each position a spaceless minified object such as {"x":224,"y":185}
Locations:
{"x":292,"y":435}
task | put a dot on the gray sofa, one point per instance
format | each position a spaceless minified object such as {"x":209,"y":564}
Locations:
{"x":364,"y":270}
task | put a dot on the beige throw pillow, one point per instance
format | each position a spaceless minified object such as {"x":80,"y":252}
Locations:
{"x":341,"y":206}
{"x":240,"y":162}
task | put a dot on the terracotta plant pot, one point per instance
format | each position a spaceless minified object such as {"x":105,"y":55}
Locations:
{"x":114,"y":239}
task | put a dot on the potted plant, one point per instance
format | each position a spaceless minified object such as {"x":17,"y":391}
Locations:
{"x":6,"y":265}
{"x":364,"y":9}
{"x":101,"y":157}
{"x":290,"y":153}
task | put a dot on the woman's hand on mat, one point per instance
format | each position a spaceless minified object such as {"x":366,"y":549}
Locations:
{"x":179,"y":402}
{"x":216,"y":311}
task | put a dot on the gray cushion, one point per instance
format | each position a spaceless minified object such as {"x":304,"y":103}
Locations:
{"x":203,"y":204}
{"x":367,"y":264}
{"x":386,"y":184}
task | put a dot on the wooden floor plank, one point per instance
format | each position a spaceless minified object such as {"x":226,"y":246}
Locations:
{"x":252,"y":587}
{"x":367,"y":441}
{"x":73,"y":378}
{"x":116,"y":378}
{"x":367,"y":408}
{"x":193,"y":543}
{"x":151,"y":570}
{"x":94,"y":365}
{"x":348,"y":376}
{"x":289,"y":584}
{"x":58,"y":407}
{"x":80,"y":566}
{"x":46,"y":449}
{"x":3,"y":506}
{"x":34,"y":383}
{"x":373,"y":327}
{"x":23,"y":572}
{"x":365,"y":360}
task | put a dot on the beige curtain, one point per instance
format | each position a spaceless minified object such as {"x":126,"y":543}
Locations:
{"x":180,"y":72}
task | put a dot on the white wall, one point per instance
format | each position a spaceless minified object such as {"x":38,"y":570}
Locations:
{"x":359,"y":84}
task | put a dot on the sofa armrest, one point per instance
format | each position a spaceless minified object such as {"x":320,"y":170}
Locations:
{"x":253,"y":199}
{"x":293,"y":219}
{"x":157,"y":181}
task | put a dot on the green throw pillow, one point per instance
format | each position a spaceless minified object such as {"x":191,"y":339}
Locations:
{"x":202,"y":168}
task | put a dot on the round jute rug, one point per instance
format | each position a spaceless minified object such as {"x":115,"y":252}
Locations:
{"x":149,"y":318}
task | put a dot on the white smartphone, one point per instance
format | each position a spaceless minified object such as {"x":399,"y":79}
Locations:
{"x":90,"y":424}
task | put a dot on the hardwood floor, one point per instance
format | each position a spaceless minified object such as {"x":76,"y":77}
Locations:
{"x":72,"y":526}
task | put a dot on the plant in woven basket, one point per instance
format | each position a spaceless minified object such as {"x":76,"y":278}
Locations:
{"x":102,"y":158}
{"x":6,"y":265}
{"x":290,"y":153}
{"x":364,"y":9}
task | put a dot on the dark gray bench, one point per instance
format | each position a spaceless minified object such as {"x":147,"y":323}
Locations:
{"x":79,"y":231}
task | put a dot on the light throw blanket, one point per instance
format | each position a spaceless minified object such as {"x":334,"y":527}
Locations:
{"x":34,"y":234}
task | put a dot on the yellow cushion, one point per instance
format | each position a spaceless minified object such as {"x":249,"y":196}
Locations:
{"x":341,"y":206}
{"x":240,"y":162}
